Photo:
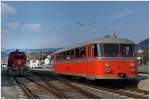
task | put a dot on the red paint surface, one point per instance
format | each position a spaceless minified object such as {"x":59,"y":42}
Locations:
{"x":96,"y":67}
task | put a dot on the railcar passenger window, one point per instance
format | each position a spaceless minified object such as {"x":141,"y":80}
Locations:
{"x":60,"y":55}
{"x":82,"y":52}
{"x":63,"y":55}
{"x":57,"y":57}
{"x":52,"y":58}
{"x":68,"y":55}
{"x":77,"y":53}
{"x":97,"y":50}
{"x":111,"y":50}
{"x":72,"y":54}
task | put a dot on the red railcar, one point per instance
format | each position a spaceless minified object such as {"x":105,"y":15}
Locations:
{"x":17,"y":63}
{"x":104,"y":58}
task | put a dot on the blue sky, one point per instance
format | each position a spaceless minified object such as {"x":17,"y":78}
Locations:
{"x":60,"y":24}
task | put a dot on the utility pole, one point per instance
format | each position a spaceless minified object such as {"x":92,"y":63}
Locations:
{"x":42,"y":58}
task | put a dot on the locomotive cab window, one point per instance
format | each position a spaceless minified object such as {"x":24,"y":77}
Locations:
{"x":111,"y":50}
{"x":127,"y":50}
{"x":19,"y":56}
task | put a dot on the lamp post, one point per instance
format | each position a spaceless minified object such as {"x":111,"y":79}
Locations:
{"x":42,"y":60}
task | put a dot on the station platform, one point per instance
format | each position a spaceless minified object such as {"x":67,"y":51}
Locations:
{"x":44,"y":70}
{"x":9,"y":89}
{"x":143,"y":82}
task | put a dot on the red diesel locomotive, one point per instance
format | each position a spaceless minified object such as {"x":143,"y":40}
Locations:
{"x":17,"y":63}
{"x":104,"y":58}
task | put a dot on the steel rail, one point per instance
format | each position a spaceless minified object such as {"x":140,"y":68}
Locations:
{"x":88,"y":94}
{"x":53,"y":87}
{"x":26,"y":90}
{"x":52,"y":90}
{"x":113,"y":90}
{"x":82,"y":91}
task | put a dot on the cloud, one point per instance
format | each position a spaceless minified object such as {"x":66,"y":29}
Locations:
{"x":13,"y":25}
{"x":5,"y":32}
{"x":119,"y":15}
{"x":33,"y":27}
{"x":5,"y":8}
{"x":47,"y":41}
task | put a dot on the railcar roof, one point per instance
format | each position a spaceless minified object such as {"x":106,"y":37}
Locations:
{"x":106,"y":40}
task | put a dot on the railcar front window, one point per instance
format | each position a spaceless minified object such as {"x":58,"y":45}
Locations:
{"x":97,"y":50}
{"x":126,"y":50}
{"x":111,"y":50}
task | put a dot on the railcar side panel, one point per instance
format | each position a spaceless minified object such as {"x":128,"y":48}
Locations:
{"x":71,"y":67}
{"x":97,"y":68}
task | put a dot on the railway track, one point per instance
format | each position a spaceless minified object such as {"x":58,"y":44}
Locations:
{"x":25,"y":89}
{"x":33,"y":85}
{"x":127,"y":93}
{"x":53,"y":86}
{"x":123,"y":91}
{"x":114,"y":92}
{"x":69,"y":91}
{"x":36,"y":90}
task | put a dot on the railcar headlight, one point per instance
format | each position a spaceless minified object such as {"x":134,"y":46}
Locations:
{"x":108,"y":68}
{"x":132,"y":65}
{"x":107,"y":65}
{"x":133,"y":70}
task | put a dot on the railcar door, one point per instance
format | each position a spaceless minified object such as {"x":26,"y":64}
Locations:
{"x":90,"y":61}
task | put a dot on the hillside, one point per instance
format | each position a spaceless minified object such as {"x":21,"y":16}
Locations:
{"x":144,"y":44}
{"x":29,"y":52}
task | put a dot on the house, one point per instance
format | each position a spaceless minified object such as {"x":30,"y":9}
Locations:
{"x":34,"y":63}
{"x":46,"y":62}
